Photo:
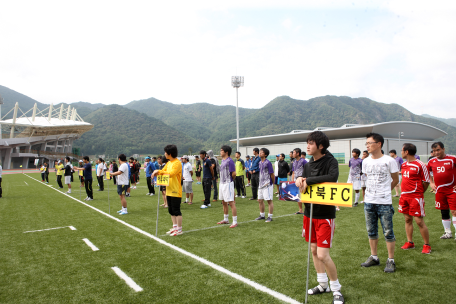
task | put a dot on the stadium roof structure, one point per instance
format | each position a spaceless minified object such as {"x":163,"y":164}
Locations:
{"x":412,"y":130}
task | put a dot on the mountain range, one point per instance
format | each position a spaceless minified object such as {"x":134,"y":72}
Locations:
{"x":146,"y":126}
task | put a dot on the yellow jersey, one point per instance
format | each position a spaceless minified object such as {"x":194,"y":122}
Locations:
{"x":59,"y":169}
{"x":174,"y":169}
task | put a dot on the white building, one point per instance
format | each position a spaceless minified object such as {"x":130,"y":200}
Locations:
{"x":348,"y":137}
{"x":46,"y":135}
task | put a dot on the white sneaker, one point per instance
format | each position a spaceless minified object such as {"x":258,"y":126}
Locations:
{"x":119,"y":211}
{"x":446,"y":235}
{"x":90,"y":199}
{"x":123,"y":213}
{"x":152,"y":194}
{"x":209,"y":205}
{"x":243,"y":196}
{"x":147,"y":193}
{"x":236,"y":196}
{"x":86,"y":198}
{"x":203,"y":207}
{"x":137,"y":184}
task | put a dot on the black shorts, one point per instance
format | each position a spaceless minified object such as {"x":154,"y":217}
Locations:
{"x":122,"y":189}
{"x":198,"y":173}
{"x":248,"y":175}
{"x":162,"y":188}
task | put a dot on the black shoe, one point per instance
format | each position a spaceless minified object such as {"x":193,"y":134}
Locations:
{"x":371,"y":262}
{"x":260,"y":218}
{"x":318,"y":290}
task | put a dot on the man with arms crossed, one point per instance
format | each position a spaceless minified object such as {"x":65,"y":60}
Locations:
{"x":266,"y":185}
{"x":122,"y":183}
{"x":226,"y":187}
{"x":298,"y":167}
{"x":415,"y":180}
{"x":87,"y":168}
{"x":322,"y":167}
{"x":382,"y":177}
{"x":443,"y":171}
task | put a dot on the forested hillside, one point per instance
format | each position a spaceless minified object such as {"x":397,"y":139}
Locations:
{"x":448,"y":121}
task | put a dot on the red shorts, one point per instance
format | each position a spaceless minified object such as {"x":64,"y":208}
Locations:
{"x":322,"y":231}
{"x":413,"y":206}
{"x":445,"y":201}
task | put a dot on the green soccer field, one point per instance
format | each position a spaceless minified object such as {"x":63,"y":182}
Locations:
{"x":57,"y":266}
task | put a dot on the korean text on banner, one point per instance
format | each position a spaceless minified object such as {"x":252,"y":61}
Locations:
{"x":81,"y":173}
{"x":335,"y":194}
{"x":163,"y":180}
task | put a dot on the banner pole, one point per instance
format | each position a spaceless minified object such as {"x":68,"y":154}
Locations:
{"x":158,"y":208}
{"x":109,"y":203}
{"x":308,"y":252}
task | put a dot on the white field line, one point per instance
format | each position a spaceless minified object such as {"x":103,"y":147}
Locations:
{"x":91,"y":245}
{"x":26,"y":183}
{"x":127,"y":279}
{"x":71,"y":227}
{"x":218,"y":226}
{"x":236,"y":276}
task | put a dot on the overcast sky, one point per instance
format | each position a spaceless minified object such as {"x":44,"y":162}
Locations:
{"x":186,"y":51}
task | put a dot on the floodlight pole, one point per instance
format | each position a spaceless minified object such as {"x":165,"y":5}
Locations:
{"x":400,"y":134}
{"x":237,"y":82}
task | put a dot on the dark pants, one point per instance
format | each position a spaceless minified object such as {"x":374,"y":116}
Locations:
{"x":72,"y":179}
{"x":114,"y":179}
{"x":47,"y":177}
{"x":100,"y":182}
{"x":214,"y":183}
{"x":59,"y":181}
{"x":207,"y":182}
{"x":43,"y":175}
{"x":1,"y":191}
{"x":240,"y":186}
{"x":150,"y":186}
{"x":255,"y":180}
{"x":88,"y":187}
{"x":174,"y":205}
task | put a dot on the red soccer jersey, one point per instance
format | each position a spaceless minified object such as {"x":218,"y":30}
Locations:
{"x":413,"y":175}
{"x":443,"y":171}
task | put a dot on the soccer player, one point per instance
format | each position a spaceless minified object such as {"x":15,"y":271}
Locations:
{"x":298,"y":167}
{"x":68,"y":169}
{"x":87,"y":168}
{"x":265,"y":185}
{"x":240,"y":186}
{"x":198,"y":169}
{"x":187,"y":173}
{"x":283,"y":171}
{"x":208,"y":175}
{"x":248,"y":164}
{"x":174,"y":191}
{"x":255,"y":173}
{"x":443,"y":171}
{"x":226,"y":187}
{"x":415,"y":180}
{"x":363,"y":175}
{"x":122,"y":182}
{"x":354,"y":175}
{"x":59,"y":168}
{"x":399,"y":162}
{"x":322,"y":167}
{"x":382,"y":177}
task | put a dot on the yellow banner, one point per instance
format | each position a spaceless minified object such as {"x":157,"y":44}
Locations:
{"x":81,"y":172}
{"x":334,"y":194}
{"x":108,"y":175}
{"x":163,"y":180}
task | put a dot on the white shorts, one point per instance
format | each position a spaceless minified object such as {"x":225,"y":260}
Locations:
{"x":226,"y":192}
{"x":363,"y":184}
{"x":266,"y":193}
{"x":67,"y":180}
{"x":357,"y":184}
{"x":187,"y":187}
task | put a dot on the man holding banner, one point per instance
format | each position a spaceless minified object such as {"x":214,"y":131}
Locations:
{"x":321,"y":168}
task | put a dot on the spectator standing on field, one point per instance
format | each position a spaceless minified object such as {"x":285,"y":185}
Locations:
{"x":187,"y":174}
{"x":59,"y":168}
{"x":291,"y":165}
{"x":114,"y":169}
{"x":208,"y":176}
{"x":255,"y":172}
{"x":132,"y":173}
{"x":227,"y":176}
{"x":68,"y":168}
{"x":100,"y":174}
{"x":298,"y":167}
{"x":216,"y":169}
{"x":149,"y":168}
{"x":239,"y":181}
{"x":198,"y":169}
{"x":87,"y":168}
{"x":248,"y":164}
{"x":283,"y":172}
{"x":122,"y":183}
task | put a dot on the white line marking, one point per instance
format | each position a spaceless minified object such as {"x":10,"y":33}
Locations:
{"x":127,"y":279}
{"x":26,"y":183}
{"x":51,"y":229}
{"x":236,"y":276}
{"x":218,"y":226}
{"x":91,"y":245}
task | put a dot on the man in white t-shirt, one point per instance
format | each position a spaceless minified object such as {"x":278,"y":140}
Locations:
{"x":187,"y":176}
{"x":122,"y":182}
{"x":382,"y":176}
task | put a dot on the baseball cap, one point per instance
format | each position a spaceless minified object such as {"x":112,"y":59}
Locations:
{"x":185,"y":156}
{"x":278,"y":155}
{"x":147,"y":157}
{"x":247,"y":156}
{"x":80,"y":160}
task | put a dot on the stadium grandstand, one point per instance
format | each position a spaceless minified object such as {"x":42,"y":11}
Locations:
{"x":45,"y":135}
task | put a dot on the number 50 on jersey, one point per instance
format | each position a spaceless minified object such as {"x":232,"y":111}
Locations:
{"x":335,"y":194}
{"x":163,"y":180}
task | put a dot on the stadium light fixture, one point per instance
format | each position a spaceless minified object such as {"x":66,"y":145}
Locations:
{"x":237,"y":82}
{"x":400,"y":135}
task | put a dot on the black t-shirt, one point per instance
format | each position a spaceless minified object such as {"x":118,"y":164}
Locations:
{"x":67,"y":170}
{"x":215,"y":168}
{"x":198,"y":166}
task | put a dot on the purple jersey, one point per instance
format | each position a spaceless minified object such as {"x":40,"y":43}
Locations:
{"x":355,"y":165}
{"x":417,"y":156}
{"x":265,"y":173}
{"x":226,"y":168}
{"x":298,"y":167}
{"x":399,"y":162}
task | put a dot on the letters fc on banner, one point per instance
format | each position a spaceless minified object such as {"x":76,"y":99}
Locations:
{"x":334,"y":194}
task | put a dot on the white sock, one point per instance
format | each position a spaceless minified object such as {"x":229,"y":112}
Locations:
{"x":262,"y":214}
{"x":186,"y":199}
{"x":175,"y":226}
{"x":447,"y":225}
{"x":454,"y":222}
{"x":179,"y":228}
{"x":322,"y":279}
{"x":270,"y":215}
{"x":225,"y":217}
{"x":69,"y":190}
{"x":392,"y":260}
{"x":375,"y":257}
{"x":125,"y":209}
{"x":234,"y":219}
{"x":356,"y":197}
{"x":335,"y":285}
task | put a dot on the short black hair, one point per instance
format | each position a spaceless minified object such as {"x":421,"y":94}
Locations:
{"x":203,"y":152}
{"x":256,"y":150}
{"x":196,"y":156}
{"x":357,"y":151}
{"x":171,"y":150}
{"x":67,"y":158}
{"x":154,"y":157}
{"x":303,"y":153}
{"x":113,"y":161}
{"x":438,"y":143}
{"x":377,"y":137}
{"x":410,"y":148}
{"x":265,"y":151}
{"x":393,"y":151}
{"x":164,"y":159}
{"x":86,"y":158}
{"x":131,"y":158}
{"x":281,"y":154}
{"x":100,"y":159}
{"x":319,"y":138}
{"x":226,"y":149}
{"x":123,"y":157}
{"x":298,"y":150}
{"x":238,"y":153}
{"x":365,"y":151}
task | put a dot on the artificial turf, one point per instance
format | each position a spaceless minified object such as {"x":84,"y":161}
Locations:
{"x":56,"y":266}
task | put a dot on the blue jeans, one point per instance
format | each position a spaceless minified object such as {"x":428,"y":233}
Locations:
{"x":374,"y":212}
